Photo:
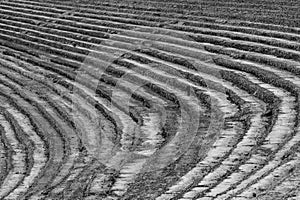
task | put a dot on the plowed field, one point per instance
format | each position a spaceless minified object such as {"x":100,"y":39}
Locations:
{"x":149,"y":100}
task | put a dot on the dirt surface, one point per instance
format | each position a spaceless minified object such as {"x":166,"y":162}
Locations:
{"x":149,"y":100}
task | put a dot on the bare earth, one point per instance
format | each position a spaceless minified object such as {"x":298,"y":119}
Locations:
{"x":149,"y":100}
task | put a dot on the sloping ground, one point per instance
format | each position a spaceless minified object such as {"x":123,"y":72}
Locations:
{"x":149,"y":100}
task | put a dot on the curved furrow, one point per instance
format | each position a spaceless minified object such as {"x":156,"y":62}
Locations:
{"x":101,"y":176}
{"x":155,"y":75}
{"x":25,"y":143}
{"x":287,"y":85}
{"x":64,"y":83}
{"x":272,"y":145}
{"x":144,"y":152}
{"x":27,"y":70}
{"x":18,"y":171}
{"x":64,"y":170}
{"x":163,"y":161}
{"x":137,"y":152}
{"x":256,"y":124}
{"x":74,"y":174}
{"x":226,"y":166}
{"x":170,"y":195}
{"x":108,"y":127}
{"x":271,"y":141}
{"x":67,"y":166}
{"x":224,"y":136}
{"x":39,"y":157}
{"x":86,"y":89}
{"x":6,"y":156}
{"x":158,"y":179}
{"x":57,"y":148}
{"x":149,"y":100}
{"x":86,"y":154}
{"x":115,"y":158}
{"x":268,"y":175}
